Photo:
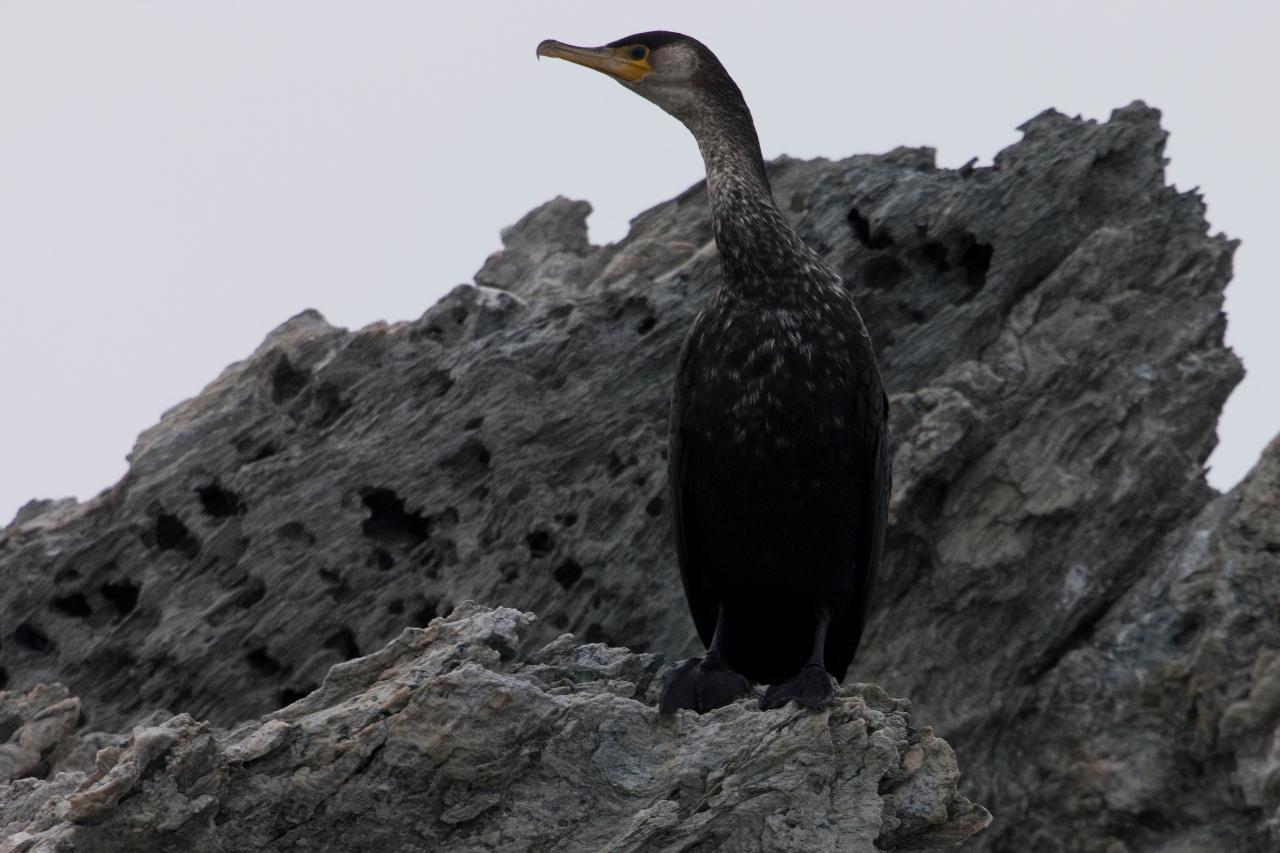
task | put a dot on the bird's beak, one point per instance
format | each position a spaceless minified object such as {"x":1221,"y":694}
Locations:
{"x":609,"y":60}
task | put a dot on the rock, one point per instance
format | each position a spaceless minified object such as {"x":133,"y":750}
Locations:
{"x":1050,"y":329}
{"x":32,"y":726}
{"x":1190,"y":649}
{"x":442,"y":740}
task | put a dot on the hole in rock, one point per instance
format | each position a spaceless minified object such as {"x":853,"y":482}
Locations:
{"x":506,"y":652}
{"x":654,"y":506}
{"x":976,"y":260}
{"x":568,"y":573}
{"x":343,"y":641}
{"x":540,"y":543}
{"x":219,"y":502}
{"x":1186,"y":628}
{"x":296,"y":533}
{"x":255,"y":590}
{"x":338,"y":589}
{"x":935,"y":253}
{"x":266,"y":451}
{"x":380,"y":559}
{"x":436,"y":383}
{"x":263,"y":663}
{"x":328,"y":404}
{"x":646,"y":325}
{"x":882,"y":272}
{"x":74,"y":604}
{"x":473,"y":423}
{"x":253,"y":448}
{"x":30,"y":637}
{"x":389,"y":522}
{"x":861,"y":227}
{"x":122,"y":595}
{"x":172,"y":535}
{"x":289,"y":695}
{"x":429,"y":610}
{"x":287,"y":381}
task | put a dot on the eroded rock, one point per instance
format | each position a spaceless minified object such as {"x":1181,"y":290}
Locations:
{"x":442,"y":740}
{"x":1050,"y":329}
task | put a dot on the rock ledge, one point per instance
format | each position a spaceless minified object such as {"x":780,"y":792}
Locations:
{"x":449,"y":738}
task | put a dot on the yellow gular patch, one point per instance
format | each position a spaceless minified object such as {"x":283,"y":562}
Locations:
{"x":632,"y":70}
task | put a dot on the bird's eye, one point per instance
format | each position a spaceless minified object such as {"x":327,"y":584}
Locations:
{"x":639,"y":52}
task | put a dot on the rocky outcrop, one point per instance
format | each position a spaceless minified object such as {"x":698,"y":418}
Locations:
{"x":442,"y":740}
{"x":1050,"y":329}
{"x":1161,"y":725}
{"x":35,"y":727}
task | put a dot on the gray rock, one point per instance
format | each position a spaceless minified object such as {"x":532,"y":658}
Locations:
{"x":442,"y":741}
{"x":32,"y":728}
{"x":1160,"y":728}
{"x":1050,"y":329}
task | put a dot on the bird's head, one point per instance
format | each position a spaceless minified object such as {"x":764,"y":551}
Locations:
{"x":674,"y":71}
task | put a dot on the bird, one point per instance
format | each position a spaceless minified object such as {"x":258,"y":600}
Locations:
{"x":778,"y":457}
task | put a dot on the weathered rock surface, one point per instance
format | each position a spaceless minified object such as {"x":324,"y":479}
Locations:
{"x":442,"y":741}
{"x":33,"y":728}
{"x":1190,"y":650}
{"x":1050,"y":329}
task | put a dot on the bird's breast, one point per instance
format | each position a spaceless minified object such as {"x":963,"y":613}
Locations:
{"x":772,"y":376}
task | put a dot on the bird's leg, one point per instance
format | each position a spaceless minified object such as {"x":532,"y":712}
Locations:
{"x":706,"y":683}
{"x":813,"y":687}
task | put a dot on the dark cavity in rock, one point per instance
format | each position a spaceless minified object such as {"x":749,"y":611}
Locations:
{"x":389,"y":522}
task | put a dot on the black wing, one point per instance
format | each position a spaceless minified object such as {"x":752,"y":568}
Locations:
{"x":871,"y":514}
{"x":682,"y":478}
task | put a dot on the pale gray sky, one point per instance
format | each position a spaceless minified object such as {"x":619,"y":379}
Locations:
{"x":176,"y":178}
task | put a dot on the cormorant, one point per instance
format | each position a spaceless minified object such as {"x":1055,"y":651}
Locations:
{"x":779,"y":465}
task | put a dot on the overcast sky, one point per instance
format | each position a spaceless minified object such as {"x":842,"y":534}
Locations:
{"x":177,"y":178}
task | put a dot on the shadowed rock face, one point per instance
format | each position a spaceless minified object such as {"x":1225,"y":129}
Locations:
{"x":1050,"y":330}
{"x":441,"y":741}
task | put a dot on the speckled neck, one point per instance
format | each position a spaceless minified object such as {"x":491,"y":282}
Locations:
{"x":758,"y":248}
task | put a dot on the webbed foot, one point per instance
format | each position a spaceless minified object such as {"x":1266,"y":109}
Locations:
{"x":702,"y":684}
{"x":814,"y":688}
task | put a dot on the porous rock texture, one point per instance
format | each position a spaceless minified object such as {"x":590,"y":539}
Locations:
{"x":442,"y":741}
{"x":1062,"y":594}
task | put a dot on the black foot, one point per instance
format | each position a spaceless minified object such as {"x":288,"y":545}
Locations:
{"x":702,"y":684}
{"x":813,"y":688}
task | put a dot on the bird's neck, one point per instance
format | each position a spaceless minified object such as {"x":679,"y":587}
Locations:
{"x":730,"y":148}
{"x":757,"y":245}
